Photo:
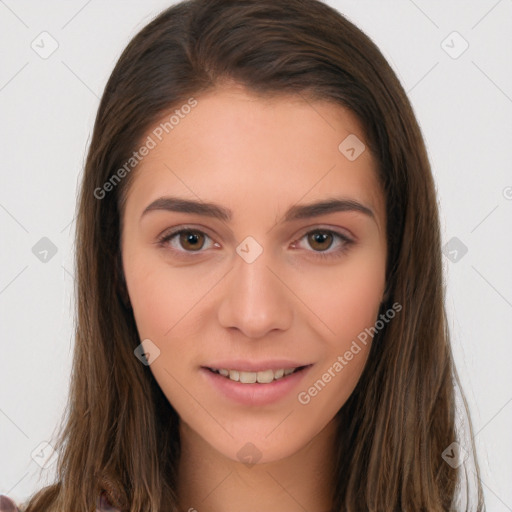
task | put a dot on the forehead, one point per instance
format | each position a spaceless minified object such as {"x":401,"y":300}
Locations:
{"x":235,"y":144}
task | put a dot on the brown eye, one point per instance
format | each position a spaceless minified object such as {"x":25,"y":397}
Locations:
{"x":322,"y":243}
{"x":320,"y":240}
{"x":192,"y":240}
{"x":182,"y":243}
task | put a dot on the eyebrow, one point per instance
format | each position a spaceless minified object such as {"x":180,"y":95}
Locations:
{"x":295,"y":212}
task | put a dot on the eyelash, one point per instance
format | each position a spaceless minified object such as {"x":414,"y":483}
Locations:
{"x":347,"y":242}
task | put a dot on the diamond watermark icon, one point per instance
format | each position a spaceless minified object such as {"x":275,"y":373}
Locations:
{"x":249,"y":454}
{"x":455,"y":249}
{"x":351,"y":147}
{"x":44,"y":455}
{"x":44,"y":45}
{"x":44,"y":250}
{"x":147,"y":352}
{"x":454,"y":45}
{"x":249,"y":249}
{"x":454,"y":455}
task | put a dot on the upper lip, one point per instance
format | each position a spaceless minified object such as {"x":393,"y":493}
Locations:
{"x":255,"y":366}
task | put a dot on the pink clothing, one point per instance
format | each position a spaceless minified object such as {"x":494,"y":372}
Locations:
{"x":8,"y":505}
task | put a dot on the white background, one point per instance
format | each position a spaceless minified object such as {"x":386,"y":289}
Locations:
{"x":464,"y":107}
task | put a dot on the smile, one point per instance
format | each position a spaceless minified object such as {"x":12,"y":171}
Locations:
{"x":259,"y":388}
{"x":262,"y":377}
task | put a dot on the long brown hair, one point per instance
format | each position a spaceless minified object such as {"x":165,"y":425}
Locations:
{"x":120,"y":434}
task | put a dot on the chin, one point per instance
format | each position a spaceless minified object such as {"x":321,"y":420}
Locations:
{"x":255,"y":445}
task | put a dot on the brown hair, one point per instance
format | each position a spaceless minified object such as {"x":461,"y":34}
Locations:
{"x":121,"y":434}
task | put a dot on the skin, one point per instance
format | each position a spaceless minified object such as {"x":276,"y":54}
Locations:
{"x":256,"y":157}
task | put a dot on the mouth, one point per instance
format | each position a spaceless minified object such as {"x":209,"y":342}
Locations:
{"x":259,"y":388}
{"x":261,"y":377}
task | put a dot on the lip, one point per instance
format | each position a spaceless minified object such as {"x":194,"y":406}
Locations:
{"x":255,"y":394}
{"x":252,"y":366}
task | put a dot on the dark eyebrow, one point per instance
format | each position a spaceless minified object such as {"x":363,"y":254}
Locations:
{"x":176,"y":204}
{"x":326,"y":206}
{"x":296,"y":212}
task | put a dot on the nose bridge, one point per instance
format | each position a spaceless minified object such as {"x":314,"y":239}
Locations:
{"x":255,"y":300}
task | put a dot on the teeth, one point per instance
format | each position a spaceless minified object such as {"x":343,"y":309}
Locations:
{"x":263,"y":377}
{"x":278,"y":374}
{"x":247,"y":377}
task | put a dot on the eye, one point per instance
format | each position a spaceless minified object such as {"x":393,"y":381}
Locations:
{"x":189,"y":240}
{"x":323,"y":239}
{"x":185,"y":241}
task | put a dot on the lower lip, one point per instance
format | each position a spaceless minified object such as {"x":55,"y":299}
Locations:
{"x":255,"y":394}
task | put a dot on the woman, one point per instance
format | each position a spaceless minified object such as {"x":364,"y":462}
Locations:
{"x":227,"y":357}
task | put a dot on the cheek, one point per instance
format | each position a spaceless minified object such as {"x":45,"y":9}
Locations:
{"x":160,"y":295}
{"x":345,"y":300}
{"x":350,"y":313}
{"x":152,"y":302}
{"x":161,"y":302}
{"x":347,"y":305}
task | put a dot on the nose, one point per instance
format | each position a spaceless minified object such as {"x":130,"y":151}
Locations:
{"x":256,"y":298}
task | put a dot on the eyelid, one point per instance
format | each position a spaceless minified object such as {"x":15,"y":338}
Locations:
{"x":343,"y":232}
{"x":183,"y":227}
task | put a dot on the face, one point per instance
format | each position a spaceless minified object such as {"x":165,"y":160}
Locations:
{"x":229,"y":266}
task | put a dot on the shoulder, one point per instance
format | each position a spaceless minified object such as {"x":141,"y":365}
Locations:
{"x":7,"y":504}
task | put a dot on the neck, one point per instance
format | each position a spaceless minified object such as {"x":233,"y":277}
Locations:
{"x":211,"y":482}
